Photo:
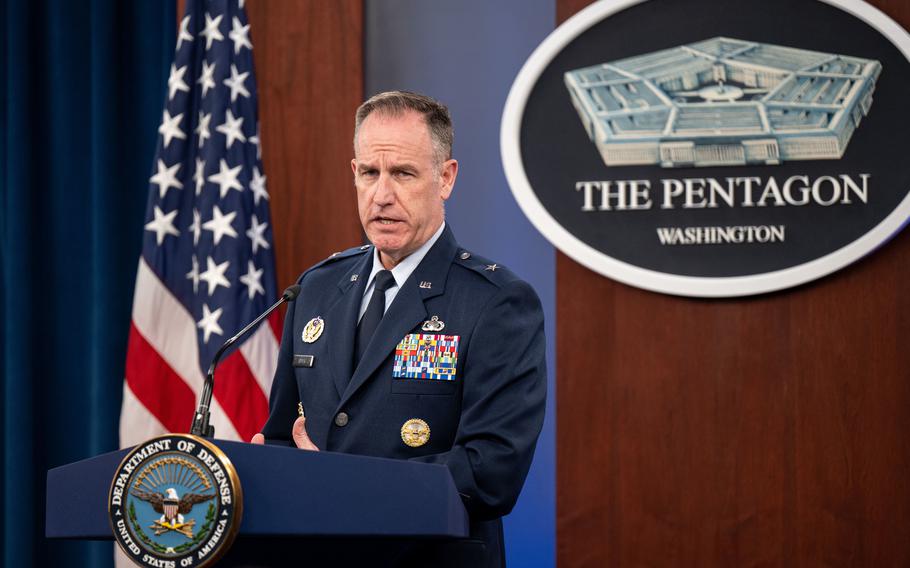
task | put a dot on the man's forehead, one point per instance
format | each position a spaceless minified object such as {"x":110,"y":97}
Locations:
{"x":406,"y":131}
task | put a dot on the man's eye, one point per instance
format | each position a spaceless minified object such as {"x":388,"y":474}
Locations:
{"x":368,"y":173}
{"x":404,"y":174}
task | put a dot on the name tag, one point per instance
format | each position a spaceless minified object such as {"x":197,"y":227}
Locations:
{"x":426,"y":356}
{"x":303,"y":361}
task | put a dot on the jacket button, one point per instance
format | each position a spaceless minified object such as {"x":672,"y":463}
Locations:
{"x":341,"y":419}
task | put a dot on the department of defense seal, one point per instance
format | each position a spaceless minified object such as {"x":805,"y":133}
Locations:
{"x":415,"y":432}
{"x":313,"y":330}
{"x":175,"y":501}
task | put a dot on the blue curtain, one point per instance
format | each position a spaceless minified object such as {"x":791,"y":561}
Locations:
{"x":84,"y":84}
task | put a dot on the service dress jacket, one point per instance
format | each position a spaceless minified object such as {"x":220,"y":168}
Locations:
{"x":483,"y":421}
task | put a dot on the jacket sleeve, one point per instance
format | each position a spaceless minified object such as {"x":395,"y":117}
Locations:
{"x":284,"y":396}
{"x":504,"y":396}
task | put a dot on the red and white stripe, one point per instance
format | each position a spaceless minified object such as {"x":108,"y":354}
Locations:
{"x":164,"y":378}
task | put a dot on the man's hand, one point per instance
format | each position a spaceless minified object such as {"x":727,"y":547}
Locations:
{"x":298,"y":432}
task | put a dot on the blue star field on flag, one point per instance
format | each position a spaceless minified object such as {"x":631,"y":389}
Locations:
{"x":208,"y":231}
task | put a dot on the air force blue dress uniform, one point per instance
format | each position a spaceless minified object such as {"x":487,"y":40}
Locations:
{"x":483,"y":420}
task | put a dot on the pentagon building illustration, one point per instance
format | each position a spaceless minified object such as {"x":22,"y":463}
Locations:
{"x":723,"y":101}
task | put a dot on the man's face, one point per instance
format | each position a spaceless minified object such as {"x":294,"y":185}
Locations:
{"x":401,"y":187}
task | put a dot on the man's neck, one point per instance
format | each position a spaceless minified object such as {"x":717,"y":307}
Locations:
{"x":388,"y":262}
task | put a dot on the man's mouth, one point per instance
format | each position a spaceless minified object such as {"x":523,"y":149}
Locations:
{"x":386,"y":221}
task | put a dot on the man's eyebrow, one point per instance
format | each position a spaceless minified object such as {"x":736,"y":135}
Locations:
{"x":402,"y":167}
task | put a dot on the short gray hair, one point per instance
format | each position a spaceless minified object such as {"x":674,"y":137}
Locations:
{"x":395,"y":103}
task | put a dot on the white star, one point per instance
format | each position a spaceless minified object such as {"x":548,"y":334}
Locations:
{"x":166,"y":178}
{"x":240,"y":36}
{"x":175,"y":81}
{"x":202,"y":129}
{"x":206,"y":78}
{"x":184,"y":32}
{"x":170,"y":127}
{"x":255,"y":140}
{"x":211,"y":31}
{"x":194,"y":275}
{"x":162,"y":225}
{"x":199,"y":175}
{"x":196,"y":227}
{"x":231,"y":128}
{"x":235,"y":83}
{"x":252,"y":280}
{"x":227,"y":178}
{"x":209,"y":323}
{"x":214,"y":275}
{"x":257,"y":185}
{"x":255,"y":233}
{"x":220,"y":225}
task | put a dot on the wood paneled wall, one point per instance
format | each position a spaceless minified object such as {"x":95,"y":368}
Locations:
{"x":309,"y":70}
{"x":766,"y":431}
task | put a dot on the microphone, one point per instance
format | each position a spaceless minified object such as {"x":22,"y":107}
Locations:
{"x":201,"y":426}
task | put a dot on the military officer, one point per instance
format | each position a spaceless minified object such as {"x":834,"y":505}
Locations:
{"x":412,"y":347}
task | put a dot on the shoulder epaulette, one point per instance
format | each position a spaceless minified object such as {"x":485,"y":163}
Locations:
{"x":495,"y":273}
{"x":335,"y":257}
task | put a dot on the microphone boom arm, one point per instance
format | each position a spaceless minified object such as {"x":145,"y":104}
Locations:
{"x":201,"y":426}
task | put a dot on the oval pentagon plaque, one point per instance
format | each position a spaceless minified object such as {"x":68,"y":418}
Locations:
{"x":702,"y":148}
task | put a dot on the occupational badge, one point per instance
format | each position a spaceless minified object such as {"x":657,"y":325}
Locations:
{"x":175,"y":501}
{"x":433,"y":324}
{"x":313,"y":330}
{"x":426,"y":356}
{"x":415,"y":432}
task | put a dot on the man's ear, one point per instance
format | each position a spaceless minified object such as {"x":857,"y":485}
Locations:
{"x":447,"y":177}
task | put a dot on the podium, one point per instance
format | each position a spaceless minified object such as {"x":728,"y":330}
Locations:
{"x":302,"y":508}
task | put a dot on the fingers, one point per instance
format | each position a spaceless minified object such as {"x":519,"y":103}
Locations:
{"x":298,"y":433}
{"x":258,"y":439}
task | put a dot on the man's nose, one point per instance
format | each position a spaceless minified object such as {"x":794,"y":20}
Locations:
{"x":385,"y":190}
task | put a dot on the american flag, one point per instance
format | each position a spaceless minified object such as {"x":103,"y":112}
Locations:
{"x":207,"y":265}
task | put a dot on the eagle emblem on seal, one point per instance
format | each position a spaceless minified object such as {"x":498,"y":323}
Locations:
{"x":172,"y":508}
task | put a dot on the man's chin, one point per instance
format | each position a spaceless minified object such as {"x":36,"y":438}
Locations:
{"x":387,"y":239}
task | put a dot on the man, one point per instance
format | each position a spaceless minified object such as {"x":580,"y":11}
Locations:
{"x":421,"y":350}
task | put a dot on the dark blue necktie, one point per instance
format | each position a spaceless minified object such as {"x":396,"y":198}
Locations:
{"x":373,"y":315}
